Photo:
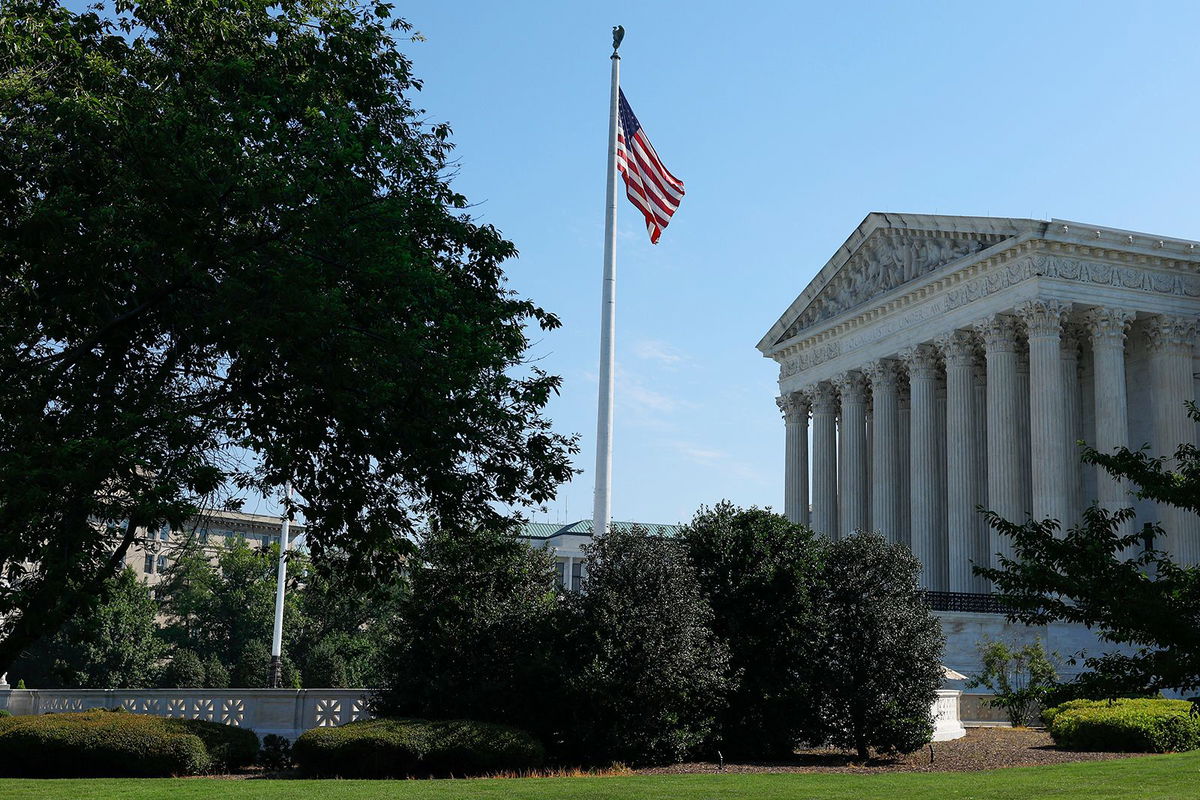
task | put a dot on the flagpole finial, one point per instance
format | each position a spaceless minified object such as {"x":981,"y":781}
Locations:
{"x":618,"y":35}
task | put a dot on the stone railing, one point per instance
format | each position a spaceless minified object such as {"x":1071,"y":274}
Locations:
{"x":285,"y":712}
{"x":946,"y":722}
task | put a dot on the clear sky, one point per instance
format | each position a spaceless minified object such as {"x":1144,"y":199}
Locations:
{"x":789,"y":122}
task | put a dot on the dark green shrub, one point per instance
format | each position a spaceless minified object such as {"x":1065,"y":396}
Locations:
{"x":878,"y":670}
{"x":275,"y":754}
{"x":475,"y":637}
{"x":650,"y":675}
{"x":4,"y":712}
{"x":100,"y":743}
{"x":1125,"y":725}
{"x":229,"y":748}
{"x":382,"y":748}
{"x":759,"y":573}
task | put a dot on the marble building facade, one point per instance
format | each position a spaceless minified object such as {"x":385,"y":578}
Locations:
{"x":940,"y":363}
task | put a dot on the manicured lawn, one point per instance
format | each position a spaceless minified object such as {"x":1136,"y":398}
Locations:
{"x":1160,"y":777}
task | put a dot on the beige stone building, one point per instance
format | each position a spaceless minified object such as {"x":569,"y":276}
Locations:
{"x":212,"y":530}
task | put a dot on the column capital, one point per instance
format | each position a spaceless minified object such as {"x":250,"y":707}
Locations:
{"x":794,"y":406}
{"x":852,"y":385}
{"x":1167,"y":333}
{"x":999,"y":333}
{"x":1107,"y":326}
{"x":883,"y":374}
{"x":1043,"y":318}
{"x":921,"y":360}
{"x":1073,"y":335}
{"x":824,"y":399}
{"x":958,"y":348}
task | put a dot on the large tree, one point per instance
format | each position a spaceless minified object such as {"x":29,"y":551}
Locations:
{"x":1113,"y":577}
{"x":230,"y":256}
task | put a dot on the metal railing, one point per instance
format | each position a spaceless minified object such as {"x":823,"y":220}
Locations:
{"x":966,"y":601}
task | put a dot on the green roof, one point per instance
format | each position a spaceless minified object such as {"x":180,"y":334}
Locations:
{"x":548,"y":530}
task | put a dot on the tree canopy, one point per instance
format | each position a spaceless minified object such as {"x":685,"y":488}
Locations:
{"x":1114,"y":580}
{"x":231,"y":257}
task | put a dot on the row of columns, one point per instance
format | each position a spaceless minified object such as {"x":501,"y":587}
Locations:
{"x":911,"y":445}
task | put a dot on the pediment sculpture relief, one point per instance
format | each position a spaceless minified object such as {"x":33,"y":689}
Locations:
{"x":885,"y":261}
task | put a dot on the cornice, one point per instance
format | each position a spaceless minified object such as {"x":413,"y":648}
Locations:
{"x":1164,"y":273}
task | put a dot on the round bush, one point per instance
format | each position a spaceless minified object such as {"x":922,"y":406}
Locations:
{"x":396,"y":748}
{"x":104,"y":743}
{"x":1125,"y":725}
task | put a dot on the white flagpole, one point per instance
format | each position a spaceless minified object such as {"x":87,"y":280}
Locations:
{"x":275,"y":677}
{"x":602,"y":509}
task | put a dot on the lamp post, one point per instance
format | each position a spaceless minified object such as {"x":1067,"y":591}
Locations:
{"x":275,"y":674}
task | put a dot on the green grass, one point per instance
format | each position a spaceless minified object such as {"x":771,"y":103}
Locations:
{"x":1160,"y":777}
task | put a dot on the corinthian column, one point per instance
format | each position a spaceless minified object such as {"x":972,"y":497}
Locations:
{"x":904,"y":418}
{"x":958,"y":349}
{"x":1170,"y":341}
{"x":1107,"y":327}
{"x":795,"y":408}
{"x":982,"y":554}
{"x":1072,"y":421}
{"x":923,"y":450}
{"x":852,"y":466}
{"x":824,"y":479}
{"x":885,"y":448}
{"x":1047,"y":426}
{"x":999,"y":334}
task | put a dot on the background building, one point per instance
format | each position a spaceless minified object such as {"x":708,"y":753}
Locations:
{"x":567,"y":541}
{"x":212,"y":531}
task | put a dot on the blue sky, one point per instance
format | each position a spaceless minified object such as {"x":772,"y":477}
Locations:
{"x":789,"y":122}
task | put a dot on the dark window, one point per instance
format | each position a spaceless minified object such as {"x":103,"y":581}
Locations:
{"x":577,"y":574}
{"x":162,"y":563}
{"x":149,"y":568}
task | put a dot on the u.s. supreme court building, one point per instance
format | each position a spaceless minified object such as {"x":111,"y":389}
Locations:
{"x":939,"y":363}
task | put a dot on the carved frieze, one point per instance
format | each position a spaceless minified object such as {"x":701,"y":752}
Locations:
{"x":998,"y":279}
{"x":809,"y":358}
{"x":885,"y":261}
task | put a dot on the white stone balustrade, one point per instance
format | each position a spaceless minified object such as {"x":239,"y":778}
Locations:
{"x":284,"y":712}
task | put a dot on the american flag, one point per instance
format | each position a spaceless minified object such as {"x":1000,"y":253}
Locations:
{"x":648,"y":185}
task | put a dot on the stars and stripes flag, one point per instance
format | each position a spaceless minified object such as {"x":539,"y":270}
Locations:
{"x":649,"y":186}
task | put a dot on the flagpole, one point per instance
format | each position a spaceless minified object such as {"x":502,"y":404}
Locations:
{"x":602,"y":508}
{"x":275,"y":677}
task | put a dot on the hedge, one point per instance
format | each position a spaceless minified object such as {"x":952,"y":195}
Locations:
{"x":396,"y":748}
{"x":1125,"y":725}
{"x":101,"y":743}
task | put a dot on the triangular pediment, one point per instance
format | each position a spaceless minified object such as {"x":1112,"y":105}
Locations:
{"x":884,"y":253}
